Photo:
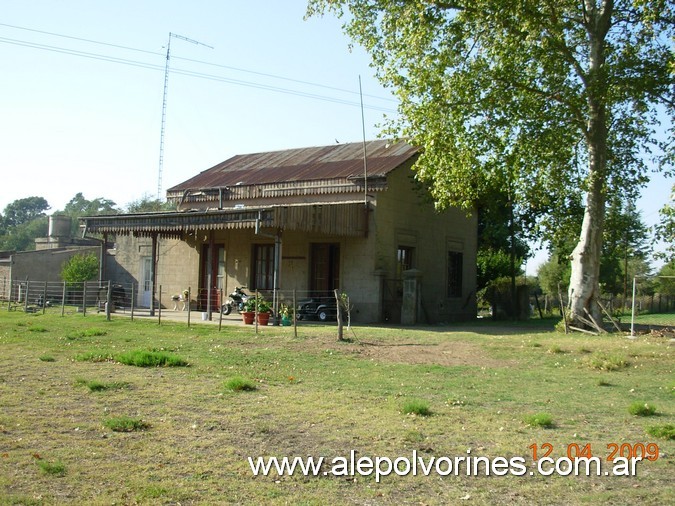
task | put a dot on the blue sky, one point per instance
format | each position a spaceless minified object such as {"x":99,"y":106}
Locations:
{"x":91,"y":122}
{"x":85,"y":123}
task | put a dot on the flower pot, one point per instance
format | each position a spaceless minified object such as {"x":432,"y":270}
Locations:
{"x":263,"y":318}
{"x":248,"y":317}
{"x":285,"y":321}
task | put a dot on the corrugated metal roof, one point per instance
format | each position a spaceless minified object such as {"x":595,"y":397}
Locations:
{"x":340,"y":161}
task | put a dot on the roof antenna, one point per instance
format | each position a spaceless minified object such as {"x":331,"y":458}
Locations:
{"x":365,"y":153}
{"x":166,"y":84}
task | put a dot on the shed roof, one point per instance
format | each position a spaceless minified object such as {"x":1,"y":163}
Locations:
{"x":339,"y":161}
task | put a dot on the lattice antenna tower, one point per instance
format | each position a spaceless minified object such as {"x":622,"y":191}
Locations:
{"x":166,"y":86}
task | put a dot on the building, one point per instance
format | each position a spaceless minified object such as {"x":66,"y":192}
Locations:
{"x":311,"y":220}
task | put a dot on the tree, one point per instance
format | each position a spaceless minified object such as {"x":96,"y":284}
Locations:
{"x":625,"y":242}
{"x":80,"y":206}
{"x":148,"y":204}
{"x":665,"y":230}
{"x":546,"y":98}
{"x":23,"y":211}
{"x":80,"y":268}
{"x":22,"y":237}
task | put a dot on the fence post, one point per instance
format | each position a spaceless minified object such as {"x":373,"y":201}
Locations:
{"x":132,"y":300}
{"x":295,"y":316}
{"x":108,"y":301}
{"x":257,"y":298}
{"x":84,"y":298}
{"x":25,"y":305}
{"x":159,"y":306}
{"x":44,"y":298}
{"x":188,"y":304}
{"x":632,"y":314}
{"x":63,"y":299}
{"x":220,"y":319}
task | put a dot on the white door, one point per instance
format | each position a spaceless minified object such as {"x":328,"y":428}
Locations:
{"x":145,"y":288}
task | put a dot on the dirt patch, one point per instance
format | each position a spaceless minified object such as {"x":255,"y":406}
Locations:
{"x":449,"y":353}
{"x":445,"y":353}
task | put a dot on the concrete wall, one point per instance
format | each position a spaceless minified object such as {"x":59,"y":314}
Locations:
{"x":404,"y":218}
{"x":177,"y":264}
{"x":46,"y":265}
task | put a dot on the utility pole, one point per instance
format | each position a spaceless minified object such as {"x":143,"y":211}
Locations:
{"x":166,"y":86}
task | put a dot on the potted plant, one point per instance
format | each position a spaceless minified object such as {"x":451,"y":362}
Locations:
{"x":286,"y":315}
{"x":248,"y":313}
{"x":262,"y":306}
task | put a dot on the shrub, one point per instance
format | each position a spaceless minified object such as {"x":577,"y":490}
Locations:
{"x":125,"y":424}
{"x":416,"y":407}
{"x":100,"y":386}
{"x":239,"y":384}
{"x":142,"y":358}
{"x":80,"y":268}
{"x":642,"y":409}
{"x":666,"y":431}
{"x":55,"y":468}
{"x":539,"y":420}
{"x":607,"y":362}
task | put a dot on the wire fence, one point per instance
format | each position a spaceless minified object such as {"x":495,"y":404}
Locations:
{"x":281,"y":307}
{"x":653,"y":305}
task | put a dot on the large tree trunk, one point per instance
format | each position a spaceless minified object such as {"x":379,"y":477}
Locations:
{"x":584,"y":287}
{"x":585,"y":279}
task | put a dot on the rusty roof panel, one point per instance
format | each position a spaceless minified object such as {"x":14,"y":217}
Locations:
{"x":307,"y":164}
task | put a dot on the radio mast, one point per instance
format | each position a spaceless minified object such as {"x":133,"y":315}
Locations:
{"x":166,"y":86}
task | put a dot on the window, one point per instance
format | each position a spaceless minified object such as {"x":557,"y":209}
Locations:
{"x":404,"y":260}
{"x":262,"y":273}
{"x":455,"y":261}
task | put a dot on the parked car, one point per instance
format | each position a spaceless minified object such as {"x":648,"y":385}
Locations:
{"x":317,"y":308}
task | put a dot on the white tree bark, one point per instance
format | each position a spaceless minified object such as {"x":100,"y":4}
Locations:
{"x":585,"y":278}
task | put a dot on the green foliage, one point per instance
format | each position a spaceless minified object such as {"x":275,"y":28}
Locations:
{"x":665,"y":230}
{"x":148,"y":204}
{"x":553,"y":107}
{"x":125,"y":424}
{"x":100,"y":386}
{"x":262,"y":304}
{"x":80,"y":268}
{"x":544,"y":420}
{"x":23,"y":211}
{"x":665,"y":431}
{"x":22,"y":237}
{"x":142,"y":358}
{"x":46,"y":358}
{"x":642,"y":409}
{"x":57,"y":468}
{"x":416,"y":407}
{"x":604,"y":362}
{"x":239,"y":384}
{"x":666,"y":285}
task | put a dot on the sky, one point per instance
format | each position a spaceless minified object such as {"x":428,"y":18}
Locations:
{"x":83,"y":87}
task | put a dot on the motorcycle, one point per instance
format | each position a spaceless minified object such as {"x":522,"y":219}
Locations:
{"x":236,"y":301}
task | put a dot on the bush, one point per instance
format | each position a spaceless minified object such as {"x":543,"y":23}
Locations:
{"x":80,"y":268}
{"x":416,"y":407}
{"x":141,"y":358}
{"x":239,"y":384}
{"x":539,"y":420}
{"x":666,"y":431}
{"x":125,"y":424}
{"x":607,"y":362}
{"x":55,"y":468}
{"x":642,"y":409}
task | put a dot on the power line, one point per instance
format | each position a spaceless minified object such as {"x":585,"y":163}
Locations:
{"x":257,"y":85}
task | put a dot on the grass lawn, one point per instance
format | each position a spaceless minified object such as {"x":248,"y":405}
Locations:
{"x":120,"y":412}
